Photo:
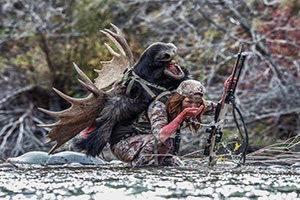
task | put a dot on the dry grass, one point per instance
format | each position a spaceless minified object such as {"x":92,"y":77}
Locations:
{"x":283,"y":153}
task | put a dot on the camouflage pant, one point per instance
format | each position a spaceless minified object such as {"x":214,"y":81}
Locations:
{"x":138,"y":150}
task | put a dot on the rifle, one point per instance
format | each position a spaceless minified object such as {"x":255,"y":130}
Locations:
{"x":222,"y":108}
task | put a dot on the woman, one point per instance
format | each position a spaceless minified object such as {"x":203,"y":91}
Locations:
{"x":150,"y":137}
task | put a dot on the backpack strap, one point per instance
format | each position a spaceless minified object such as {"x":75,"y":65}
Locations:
{"x":164,"y":96}
{"x":131,"y":76}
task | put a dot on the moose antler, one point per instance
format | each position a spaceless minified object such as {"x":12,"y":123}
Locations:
{"x":80,"y":115}
{"x":112,"y":69}
{"x":84,"y":111}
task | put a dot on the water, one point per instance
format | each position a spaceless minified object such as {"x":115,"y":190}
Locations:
{"x":110,"y":182}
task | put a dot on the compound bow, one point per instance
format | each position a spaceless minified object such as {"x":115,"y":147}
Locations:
{"x":216,"y":129}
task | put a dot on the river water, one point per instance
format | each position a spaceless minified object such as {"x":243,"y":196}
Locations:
{"x":112,"y":182}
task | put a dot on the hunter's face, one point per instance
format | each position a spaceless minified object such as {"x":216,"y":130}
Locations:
{"x":190,"y":103}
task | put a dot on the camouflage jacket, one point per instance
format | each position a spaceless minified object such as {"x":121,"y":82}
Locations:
{"x":157,"y":116}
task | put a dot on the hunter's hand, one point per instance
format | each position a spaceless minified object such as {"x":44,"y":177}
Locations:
{"x":169,"y":129}
{"x":193,"y":111}
{"x":228,"y":81}
{"x":226,"y":86}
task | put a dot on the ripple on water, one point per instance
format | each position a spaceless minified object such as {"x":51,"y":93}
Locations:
{"x":167,"y":183}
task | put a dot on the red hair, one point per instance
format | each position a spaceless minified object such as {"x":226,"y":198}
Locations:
{"x":174,"y":108}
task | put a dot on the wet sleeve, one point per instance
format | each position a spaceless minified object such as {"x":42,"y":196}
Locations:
{"x":158,"y":117}
{"x":210,"y":108}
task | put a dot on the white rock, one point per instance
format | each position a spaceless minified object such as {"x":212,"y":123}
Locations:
{"x":32,"y":157}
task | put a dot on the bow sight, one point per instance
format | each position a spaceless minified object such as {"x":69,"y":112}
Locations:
{"x":216,"y":129}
